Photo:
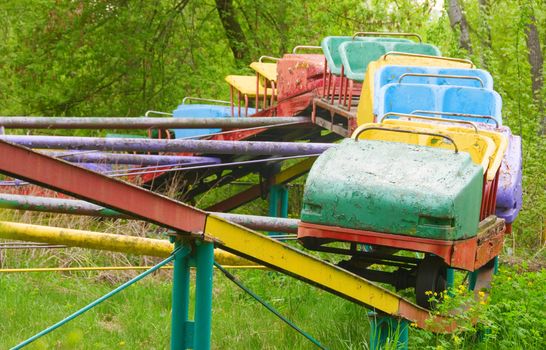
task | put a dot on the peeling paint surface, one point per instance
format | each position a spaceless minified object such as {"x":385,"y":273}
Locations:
{"x":395,"y":188}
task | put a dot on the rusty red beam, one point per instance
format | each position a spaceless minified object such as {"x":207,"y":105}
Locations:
{"x":61,"y":176}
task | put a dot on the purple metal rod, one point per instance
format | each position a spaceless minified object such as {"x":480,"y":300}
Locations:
{"x":135,"y":159}
{"x":143,"y":122}
{"x":71,"y":206}
{"x":151,"y":145}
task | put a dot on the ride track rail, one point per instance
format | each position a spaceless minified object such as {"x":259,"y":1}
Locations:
{"x":195,"y":224}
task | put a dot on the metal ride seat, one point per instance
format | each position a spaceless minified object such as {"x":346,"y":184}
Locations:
{"x":220,"y":109}
{"x":366,"y":102}
{"x":356,"y":56}
{"x":246,"y":86}
{"x":492,"y":174}
{"x":403,"y":188}
{"x":266,"y":76}
{"x":509,"y":190}
{"x":330,"y":47}
{"x":396,"y":188}
{"x":430,"y":75}
{"x":404,"y":98}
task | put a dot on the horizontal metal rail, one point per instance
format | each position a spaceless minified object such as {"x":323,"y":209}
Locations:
{"x":78,"y":207}
{"x":143,"y":123}
{"x":150,"y":145}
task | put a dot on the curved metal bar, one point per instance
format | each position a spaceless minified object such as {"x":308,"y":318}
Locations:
{"x":274,"y":59}
{"x":358,"y":132}
{"x":466,"y":115}
{"x":387,"y":34}
{"x":412,"y":116}
{"x":447,"y":76}
{"x":147,"y":114}
{"x":306,"y":47}
{"x":397,"y":53}
{"x":189,"y":98}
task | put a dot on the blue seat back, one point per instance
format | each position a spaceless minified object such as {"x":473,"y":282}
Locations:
{"x":201,"y":111}
{"x":391,"y":74}
{"x":406,"y":98}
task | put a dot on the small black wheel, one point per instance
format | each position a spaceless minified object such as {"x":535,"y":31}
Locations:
{"x":431,"y":277}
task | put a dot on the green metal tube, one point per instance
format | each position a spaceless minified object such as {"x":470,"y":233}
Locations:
{"x":204,"y":263}
{"x":180,"y":301}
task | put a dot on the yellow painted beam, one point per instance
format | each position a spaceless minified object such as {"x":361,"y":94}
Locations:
{"x":300,"y":265}
{"x":101,"y":241}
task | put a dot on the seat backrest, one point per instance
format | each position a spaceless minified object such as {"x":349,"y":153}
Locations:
{"x":406,"y":98}
{"x":391,"y":74}
{"x":365,"y":106}
{"x":500,"y":140}
{"x":200,"y":111}
{"x":481,"y":148}
{"x":356,"y":55}
{"x":330,"y":47}
{"x":422,"y":49}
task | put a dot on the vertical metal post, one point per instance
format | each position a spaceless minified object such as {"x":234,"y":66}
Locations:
{"x":385,"y":328}
{"x":450,"y":280}
{"x":278,"y":202}
{"x":204,"y":263}
{"x":181,"y":330}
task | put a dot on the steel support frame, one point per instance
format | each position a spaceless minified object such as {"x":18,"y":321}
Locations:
{"x":468,"y":254}
{"x":195,"y":332}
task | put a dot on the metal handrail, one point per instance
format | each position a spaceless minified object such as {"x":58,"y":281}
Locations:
{"x":306,"y":47}
{"x":466,"y":115}
{"x":275,"y":59}
{"x":412,"y":116}
{"x":360,"y":131}
{"x":388,"y":34}
{"x":397,"y":53}
{"x":189,"y":98}
{"x":147,"y":114}
{"x":447,"y":76}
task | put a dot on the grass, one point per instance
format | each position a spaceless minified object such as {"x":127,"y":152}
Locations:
{"x":139,"y":317}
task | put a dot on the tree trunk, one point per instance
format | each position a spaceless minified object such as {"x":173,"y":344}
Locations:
{"x":536,"y":62}
{"x":457,"y":18}
{"x":234,"y":32}
{"x":485,"y":30}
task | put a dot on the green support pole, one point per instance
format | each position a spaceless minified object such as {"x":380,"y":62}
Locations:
{"x":204,"y":263}
{"x":450,"y":281}
{"x":278,"y":202}
{"x":385,"y":329}
{"x":181,"y":330}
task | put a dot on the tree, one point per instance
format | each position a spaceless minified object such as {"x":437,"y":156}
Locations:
{"x":458,"y":19}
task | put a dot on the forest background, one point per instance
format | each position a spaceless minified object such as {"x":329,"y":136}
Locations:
{"x":121,"y":58}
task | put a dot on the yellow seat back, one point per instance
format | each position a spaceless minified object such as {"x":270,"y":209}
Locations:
{"x":499,"y":139}
{"x":481,"y":148}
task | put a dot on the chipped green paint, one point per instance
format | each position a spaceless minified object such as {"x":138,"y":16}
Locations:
{"x":395,"y":188}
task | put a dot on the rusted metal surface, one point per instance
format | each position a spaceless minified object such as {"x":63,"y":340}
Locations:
{"x":468,"y":254}
{"x":84,"y":184}
{"x":142,"y":123}
{"x":299,"y":74}
{"x":148,"y":145}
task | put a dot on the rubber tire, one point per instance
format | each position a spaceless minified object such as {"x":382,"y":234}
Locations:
{"x":431,"y":276}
